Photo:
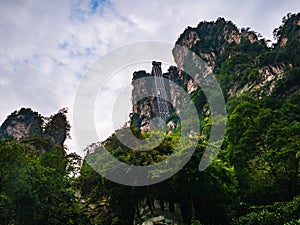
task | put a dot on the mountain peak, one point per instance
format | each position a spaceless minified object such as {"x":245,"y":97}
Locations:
{"x":210,"y":39}
{"x":21,"y":123}
{"x":25,"y":123}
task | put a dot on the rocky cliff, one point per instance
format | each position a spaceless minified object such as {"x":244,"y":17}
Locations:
{"x":21,"y":124}
{"x":222,"y":42}
{"x":241,"y":60}
{"x":214,"y":42}
{"x":27,"y":123}
{"x":145,"y":109}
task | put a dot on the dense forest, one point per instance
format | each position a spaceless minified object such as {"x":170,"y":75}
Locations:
{"x":255,"y":178}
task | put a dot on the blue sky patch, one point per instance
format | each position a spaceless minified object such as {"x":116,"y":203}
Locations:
{"x":94,"y":5}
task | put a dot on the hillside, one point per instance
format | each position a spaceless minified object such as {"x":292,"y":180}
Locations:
{"x":256,"y":175}
{"x":255,"y":178}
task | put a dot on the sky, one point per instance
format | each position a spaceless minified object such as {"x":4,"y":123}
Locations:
{"x":47,"y":47}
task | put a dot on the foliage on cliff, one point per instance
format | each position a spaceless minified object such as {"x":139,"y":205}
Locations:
{"x":256,"y":177}
{"x":36,"y":174}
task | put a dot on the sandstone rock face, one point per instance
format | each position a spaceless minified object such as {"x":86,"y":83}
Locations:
{"x":208,"y":40}
{"x":57,"y":128}
{"x":21,"y":124}
{"x":143,"y":109}
{"x":25,"y":123}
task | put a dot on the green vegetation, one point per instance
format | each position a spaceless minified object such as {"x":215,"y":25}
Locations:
{"x":37,"y":186}
{"x":256,"y":178}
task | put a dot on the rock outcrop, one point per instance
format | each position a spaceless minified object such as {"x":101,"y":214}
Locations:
{"x":145,"y":109}
{"x":249,"y":66}
{"x":27,"y":123}
{"x":21,"y":124}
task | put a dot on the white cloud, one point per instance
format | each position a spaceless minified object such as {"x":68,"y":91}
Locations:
{"x":47,"y":46}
